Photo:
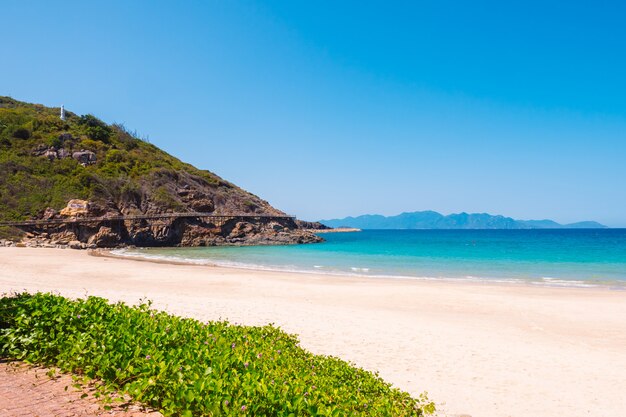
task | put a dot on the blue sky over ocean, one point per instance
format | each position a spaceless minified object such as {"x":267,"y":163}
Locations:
{"x":329,"y":109}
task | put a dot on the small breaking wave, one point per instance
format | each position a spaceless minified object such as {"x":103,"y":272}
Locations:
{"x":558,"y":282}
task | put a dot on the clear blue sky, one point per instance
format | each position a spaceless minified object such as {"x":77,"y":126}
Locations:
{"x":329,"y":109}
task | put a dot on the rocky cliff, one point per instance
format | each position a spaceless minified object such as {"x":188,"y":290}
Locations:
{"x":82,"y":167}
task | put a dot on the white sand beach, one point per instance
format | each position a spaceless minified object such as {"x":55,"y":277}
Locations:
{"x":478,"y":349}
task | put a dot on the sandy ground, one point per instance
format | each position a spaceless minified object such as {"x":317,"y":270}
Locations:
{"x":480,"y":350}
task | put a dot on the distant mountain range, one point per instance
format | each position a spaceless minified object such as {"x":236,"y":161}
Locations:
{"x":434,"y":220}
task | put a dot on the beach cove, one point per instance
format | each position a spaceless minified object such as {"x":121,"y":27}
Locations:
{"x":481,"y":349}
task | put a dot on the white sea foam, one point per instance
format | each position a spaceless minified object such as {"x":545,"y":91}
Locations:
{"x":558,"y":282}
{"x":129,"y":254}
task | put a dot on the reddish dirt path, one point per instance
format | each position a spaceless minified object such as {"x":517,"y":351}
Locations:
{"x":29,"y":392}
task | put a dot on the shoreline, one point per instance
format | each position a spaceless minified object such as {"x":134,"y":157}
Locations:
{"x":473,"y":280}
{"x":108,"y":253}
{"x":477,"y":349}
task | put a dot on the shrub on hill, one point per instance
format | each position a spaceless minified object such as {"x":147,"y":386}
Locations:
{"x":21,"y":133}
{"x":188,"y":368}
{"x":95,"y":129}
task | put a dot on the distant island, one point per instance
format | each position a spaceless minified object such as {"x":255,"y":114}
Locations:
{"x":433,"y":220}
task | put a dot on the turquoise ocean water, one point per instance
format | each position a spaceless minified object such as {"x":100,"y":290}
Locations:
{"x":583,"y":258}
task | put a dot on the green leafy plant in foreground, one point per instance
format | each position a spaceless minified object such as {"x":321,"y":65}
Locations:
{"x":184,"y":367}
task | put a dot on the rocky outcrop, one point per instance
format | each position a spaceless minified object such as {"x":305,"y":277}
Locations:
{"x":203,"y":205}
{"x":108,"y":232}
{"x":74,"y":208}
{"x":179,"y":232}
{"x":105,"y":237}
{"x":191,"y":196}
{"x":312,"y":225}
{"x":85,"y":157}
{"x":246,"y":233}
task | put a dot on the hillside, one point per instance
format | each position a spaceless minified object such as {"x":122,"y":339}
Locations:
{"x":434,"y":220}
{"x":45,"y":162}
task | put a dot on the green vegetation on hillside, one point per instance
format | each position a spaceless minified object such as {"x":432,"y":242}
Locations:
{"x":188,"y":368}
{"x":126,"y":168}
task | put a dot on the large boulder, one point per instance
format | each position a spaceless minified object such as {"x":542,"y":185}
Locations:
{"x":85,"y":157}
{"x":105,"y":238}
{"x":76,"y":208}
{"x":63,"y":237}
{"x":241,"y":230}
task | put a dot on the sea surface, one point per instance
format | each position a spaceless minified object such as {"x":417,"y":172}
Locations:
{"x":573,"y":257}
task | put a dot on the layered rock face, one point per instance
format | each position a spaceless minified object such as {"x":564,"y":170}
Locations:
{"x":181,"y":232}
{"x":161,"y":232}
